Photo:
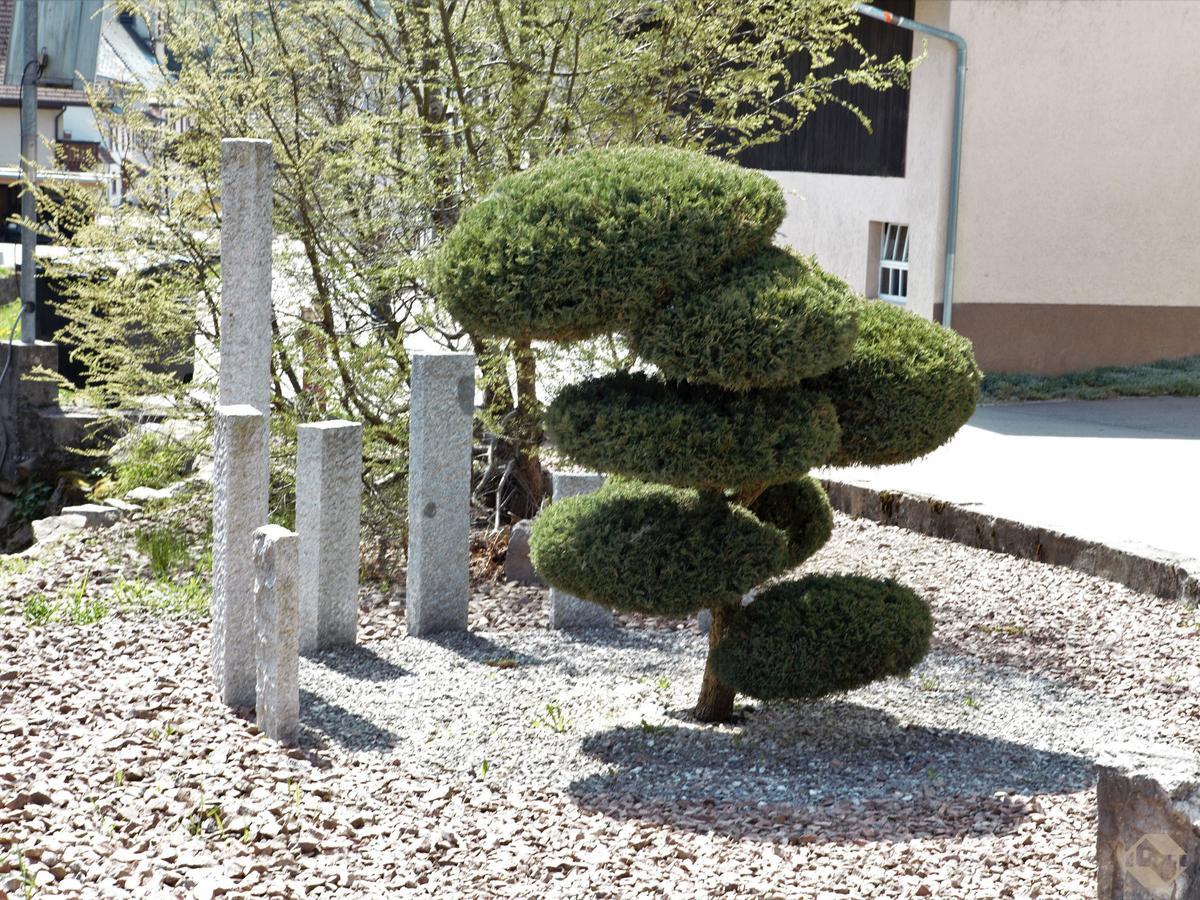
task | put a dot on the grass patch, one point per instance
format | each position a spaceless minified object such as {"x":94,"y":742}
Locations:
{"x":166,"y":550}
{"x":1165,"y":378}
{"x":186,"y":598}
{"x":73,"y":606}
{"x":153,"y":460}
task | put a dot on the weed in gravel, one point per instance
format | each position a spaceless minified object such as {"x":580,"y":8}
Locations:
{"x":663,"y":683}
{"x":555,"y":719}
{"x":153,"y":460}
{"x":650,"y":727}
{"x":928,"y":683}
{"x":77,"y":608}
{"x":503,"y":662}
{"x":13,"y":565}
{"x":29,"y":886}
{"x":119,"y":777}
{"x":37,"y":610}
{"x":971,"y":703}
{"x":165,"y":549}
{"x":484,"y":768}
{"x":189,"y":598}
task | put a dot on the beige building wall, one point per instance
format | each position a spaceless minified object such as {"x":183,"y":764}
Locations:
{"x":1078,"y":230}
{"x":10,"y":135}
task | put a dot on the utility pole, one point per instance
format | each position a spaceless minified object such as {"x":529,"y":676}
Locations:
{"x":29,"y":146}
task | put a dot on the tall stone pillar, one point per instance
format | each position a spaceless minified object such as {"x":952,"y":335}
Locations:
{"x":328,"y":508}
{"x":240,"y":487}
{"x":441,"y":410}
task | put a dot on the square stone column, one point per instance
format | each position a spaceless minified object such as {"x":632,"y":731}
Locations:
{"x":277,"y":631}
{"x":1148,"y":828}
{"x":441,"y":410}
{"x":240,"y":488}
{"x":247,"y":205}
{"x":328,"y":508}
{"x":566,"y":610}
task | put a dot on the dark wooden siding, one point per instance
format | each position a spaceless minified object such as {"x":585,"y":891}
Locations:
{"x":832,"y":140}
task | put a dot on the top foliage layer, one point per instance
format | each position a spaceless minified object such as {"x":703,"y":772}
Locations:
{"x":583,"y":245}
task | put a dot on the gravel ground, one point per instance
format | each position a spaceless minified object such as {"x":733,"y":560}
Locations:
{"x":513,"y":762}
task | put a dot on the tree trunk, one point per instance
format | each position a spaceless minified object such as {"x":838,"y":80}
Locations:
{"x":716,"y":700}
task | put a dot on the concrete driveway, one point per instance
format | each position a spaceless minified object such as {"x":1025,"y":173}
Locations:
{"x":1123,"y":472}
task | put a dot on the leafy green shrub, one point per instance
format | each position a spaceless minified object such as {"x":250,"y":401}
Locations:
{"x":774,"y":319}
{"x":823,"y":634}
{"x":152,"y":460}
{"x":907,"y":388}
{"x":767,"y":367}
{"x":654,"y":549}
{"x":576,"y":246}
{"x":801,"y":510}
{"x":691,"y":435}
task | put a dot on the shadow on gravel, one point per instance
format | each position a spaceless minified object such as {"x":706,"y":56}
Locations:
{"x":477,"y":648}
{"x":360,"y":663}
{"x":342,"y":727}
{"x":817,"y":760}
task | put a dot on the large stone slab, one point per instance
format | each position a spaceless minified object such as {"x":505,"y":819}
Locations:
{"x":1148,"y":830}
{"x":566,"y":610}
{"x":240,"y":486}
{"x":441,"y":410}
{"x":328,"y":510}
{"x":246,"y":209}
{"x":277,"y":632}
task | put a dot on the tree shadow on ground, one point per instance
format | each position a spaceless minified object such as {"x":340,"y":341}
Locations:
{"x":344,"y":728}
{"x":358,"y":662}
{"x":841,"y":762}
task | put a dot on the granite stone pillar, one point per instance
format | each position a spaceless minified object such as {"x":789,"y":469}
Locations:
{"x":277,"y":632}
{"x":566,"y":610}
{"x":240,"y":485}
{"x":244,"y":374}
{"x":442,"y":407}
{"x":328,"y":509}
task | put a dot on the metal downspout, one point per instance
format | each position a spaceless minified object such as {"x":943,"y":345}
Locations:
{"x":956,"y":137}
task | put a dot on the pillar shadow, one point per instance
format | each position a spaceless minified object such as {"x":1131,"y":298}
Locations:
{"x":344,"y":728}
{"x":822,"y":762}
{"x":358,"y":662}
{"x":471,"y":645}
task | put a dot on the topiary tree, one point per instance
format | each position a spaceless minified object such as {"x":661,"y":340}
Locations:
{"x":765,"y":367}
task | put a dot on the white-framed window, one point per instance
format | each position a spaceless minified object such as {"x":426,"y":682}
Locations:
{"x":893,"y":262}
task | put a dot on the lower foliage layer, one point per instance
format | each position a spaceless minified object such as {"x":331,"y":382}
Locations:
{"x":655,"y":549}
{"x":823,"y":634}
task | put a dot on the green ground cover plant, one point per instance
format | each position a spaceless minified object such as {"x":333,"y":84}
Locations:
{"x":1178,"y":377}
{"x":777,"y":367}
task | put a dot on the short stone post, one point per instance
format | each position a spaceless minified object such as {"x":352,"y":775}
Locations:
{"x":441,"y":409}
{"x":566,"y":610}
{"x":240,"y":482}
{"x":1148,"y":822}
{"x":244,"y":375}
{"x":328,"y":508}
{"x":277,"y":630}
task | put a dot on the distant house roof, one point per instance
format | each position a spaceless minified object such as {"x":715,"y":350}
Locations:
{"x":10,"y":94}
{"x":125,"y":54}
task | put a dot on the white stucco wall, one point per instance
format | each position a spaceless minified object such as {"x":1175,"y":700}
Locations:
{"x":1080,"y":150}
{"x":10,"y":135}
{"x":830,"y":215}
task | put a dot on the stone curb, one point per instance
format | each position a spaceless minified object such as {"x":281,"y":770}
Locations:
{"x":939,"y":518}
